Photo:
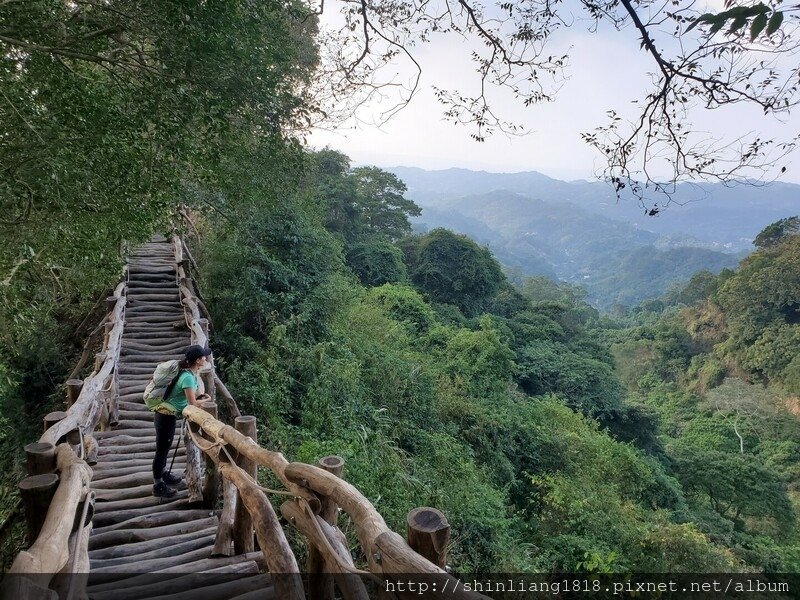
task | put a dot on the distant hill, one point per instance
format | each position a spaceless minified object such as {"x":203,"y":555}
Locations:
{"x":577,"y":232}
{"x":711,"y":215}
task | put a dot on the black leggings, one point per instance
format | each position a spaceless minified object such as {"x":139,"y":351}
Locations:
{"x":165,"y":432}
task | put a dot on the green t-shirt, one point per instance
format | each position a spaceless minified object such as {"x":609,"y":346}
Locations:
{"x":176,"y":398}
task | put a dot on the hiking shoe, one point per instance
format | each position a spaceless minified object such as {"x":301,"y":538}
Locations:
{"x":161,"y":489}
{"x":170,"y":479}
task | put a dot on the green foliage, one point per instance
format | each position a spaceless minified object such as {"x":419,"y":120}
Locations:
{"x":776,"y":232}
{"x":361,"y":203}
{"x":763,"y":311}
{"x":735,"y":485}
{"x":376,"y":262}
{"x":453,"y":269}
{"x":404,"y":305}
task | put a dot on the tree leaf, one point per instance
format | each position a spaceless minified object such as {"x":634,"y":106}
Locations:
{"x":706,"y":18}
{"x":774,"y":22}
{"x":737,"y":24}
{"x":718,"y":24}
{"x":757,"y":26}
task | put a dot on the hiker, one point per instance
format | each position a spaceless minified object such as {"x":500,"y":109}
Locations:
{"x":181,"y":393}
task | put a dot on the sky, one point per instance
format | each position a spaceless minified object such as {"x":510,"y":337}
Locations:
{"x":607,"y":71}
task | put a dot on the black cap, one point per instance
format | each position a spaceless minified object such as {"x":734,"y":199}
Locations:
{"x":193,"y":353}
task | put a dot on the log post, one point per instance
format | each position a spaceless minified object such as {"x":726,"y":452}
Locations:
{"x":203,"y":325}
{"x":243,"y":522}
{"x":37,"y":492}
{"x":194,"y":470}
{"x":223,"y":543}
{"x":98,"y":361}
{"x":211,"y":484}
{"x":104,"y":426}
{"x":40,"y":458}
{"x":73,"y":578}
{"x":428,"y":534}
{"x":321,"y":582}
{"x":74,"y":387}
{"x":52,"y":418}
{"x":109,"y":325}
{"x":208,"y":383}
{"x":90,"y":448}
{"x":113,"y":400}
{"x":324,"y":536}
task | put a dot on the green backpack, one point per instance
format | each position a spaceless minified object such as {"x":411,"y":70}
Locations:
{"x":164,"y":379}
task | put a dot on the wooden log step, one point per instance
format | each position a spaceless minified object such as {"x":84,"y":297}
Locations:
{"x":136,"y":407}
{"x":129,"y":437}
{"x":142,"y":423}
{"x":113,"y":457}
{"x":148,"y":307}
{"x":130,"y":480}
{"x":137,"y":397}
{"x":135,"y":432}
{"x":100,"y":477}
{"x":136,"y":416}
{"x":129,"y":493}
{"x":155,"y":329}
{"x":112,"y":439}
{"x":147,"y":330}
{"x":136,"y":390}
{"x":151,"y":267}
{"x":128,"y":537}
{"x":137,"y":587}
{"x":151,"y":318}
{"x":138,"y":356}
{"x":112,"y":517}
{"x":147,"y":502}
{"x":126,"y":371}
{"x":136,"y":379}
{"x":163,"y":546}
{"x":205,"y":564}
{"x":147,"y":566}
{"x":266,"y":594}
{"x":150,"y":341}
{"x":166,"y":344}
{"x":136,"y":311}
{"x":144,"y":467}
{"x":151,"y":297}
{"x":150,"y":285}
{"x":137,"y":449}
{"x":164,"y":277}
{"x":169,"y":517}
{"x":258,"y":585}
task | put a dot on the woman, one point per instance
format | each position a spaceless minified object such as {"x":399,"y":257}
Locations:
{"x":178,"y":397}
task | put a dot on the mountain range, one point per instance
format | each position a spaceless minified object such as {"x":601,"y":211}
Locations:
{"x":581,"y":233}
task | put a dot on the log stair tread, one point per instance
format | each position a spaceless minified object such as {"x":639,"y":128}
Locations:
{"x":136,"y":534}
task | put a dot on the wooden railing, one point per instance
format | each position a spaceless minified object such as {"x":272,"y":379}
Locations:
{"x":314,"y":496}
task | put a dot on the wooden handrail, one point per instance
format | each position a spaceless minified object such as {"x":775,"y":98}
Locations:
{"x":85,"y":412}
{"x":387,"y":552}
{"x":50,"y":552}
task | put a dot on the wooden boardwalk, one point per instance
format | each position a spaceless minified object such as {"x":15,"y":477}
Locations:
{"x":135,"y":532}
